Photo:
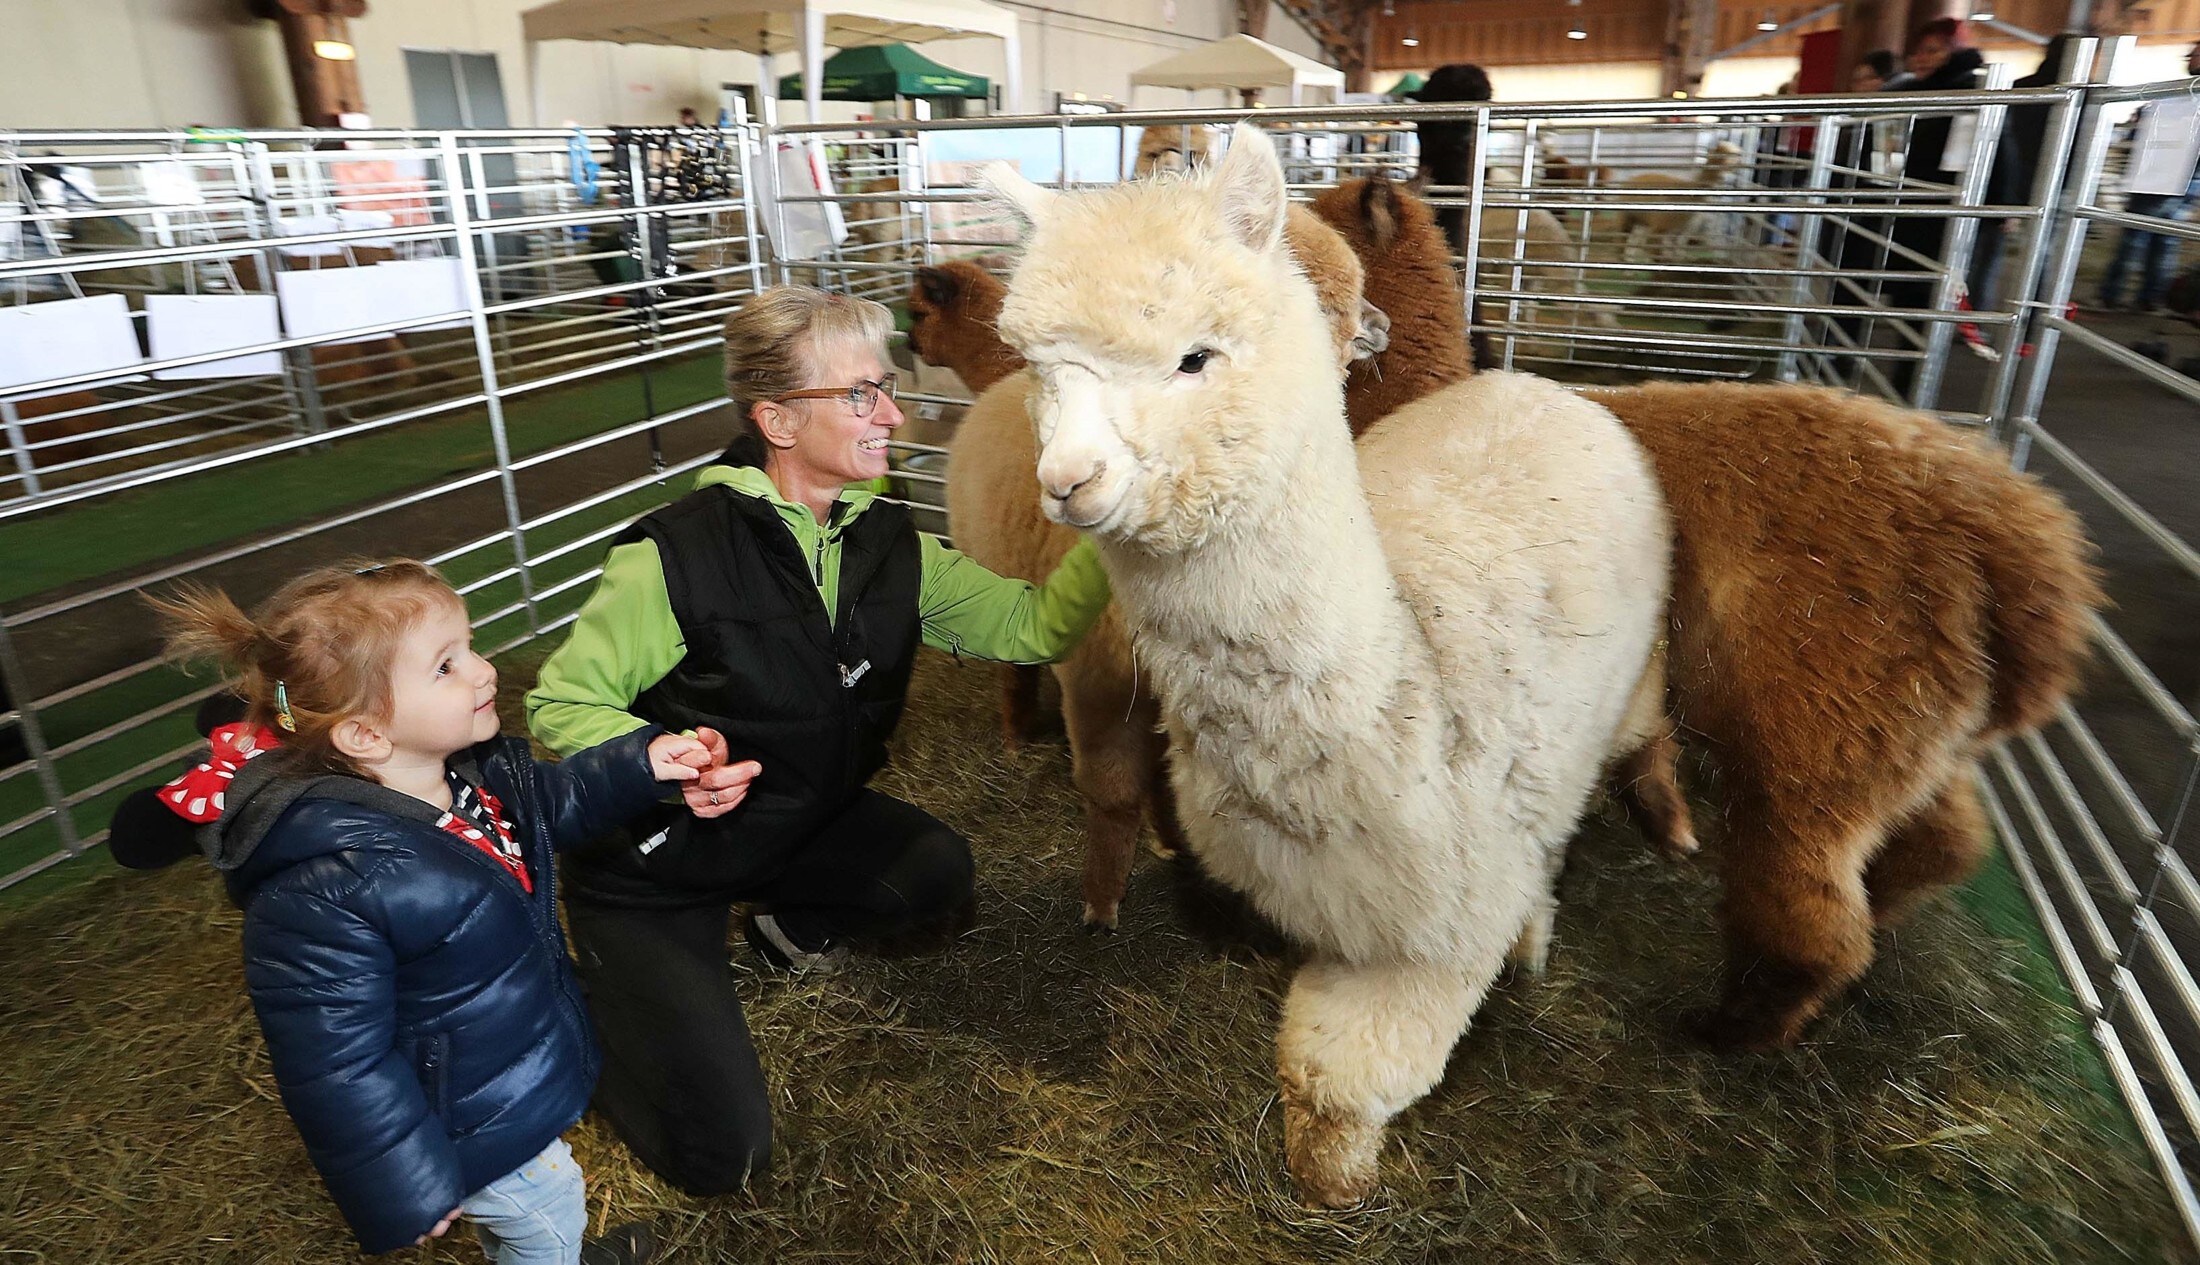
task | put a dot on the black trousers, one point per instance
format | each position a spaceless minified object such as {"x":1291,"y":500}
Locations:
{"x":681,"y":1084}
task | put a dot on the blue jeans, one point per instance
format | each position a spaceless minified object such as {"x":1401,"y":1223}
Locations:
{"x":534,"y":1215}
{"x":2155,"y":254}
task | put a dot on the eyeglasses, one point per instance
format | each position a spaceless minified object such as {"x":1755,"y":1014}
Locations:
{"x":862,"y":397}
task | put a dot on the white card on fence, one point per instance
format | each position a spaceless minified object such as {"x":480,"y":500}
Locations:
{"x":194,"y":324}
{"x":2166,"y":149}
{"x":812,"y":227}
{"x":41,"y":341}
{"x":319,"y":301}
{"x":407,"y":288}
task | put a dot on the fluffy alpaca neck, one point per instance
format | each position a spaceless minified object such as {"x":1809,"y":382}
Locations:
{"x":1289,"y":607}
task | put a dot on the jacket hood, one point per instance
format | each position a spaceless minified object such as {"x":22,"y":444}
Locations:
{"x":244,"y":844}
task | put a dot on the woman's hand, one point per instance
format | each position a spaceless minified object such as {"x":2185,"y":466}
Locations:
{"x":440,"y":1227}
{"x":721,"y":787}
{"x":679,"y":758}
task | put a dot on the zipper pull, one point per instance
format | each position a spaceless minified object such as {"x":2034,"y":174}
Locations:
{"x":849,"y":676}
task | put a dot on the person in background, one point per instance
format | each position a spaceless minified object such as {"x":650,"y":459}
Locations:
{"x":689,"y":118}
{"x":2154,"y":254}
{"x":1874,"y":72}
{"x":1939,"y":59}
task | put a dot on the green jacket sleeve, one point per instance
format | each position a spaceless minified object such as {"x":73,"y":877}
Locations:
{"x":625,"y":640}
{"x":968,"y":610}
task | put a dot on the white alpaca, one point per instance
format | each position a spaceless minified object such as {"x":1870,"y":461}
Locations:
{"x":1390,"y":677}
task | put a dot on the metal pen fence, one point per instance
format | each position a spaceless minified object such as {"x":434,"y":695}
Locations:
{"x":511,"y":433}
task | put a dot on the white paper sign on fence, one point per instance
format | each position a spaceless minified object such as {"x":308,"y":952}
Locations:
{"x":40,"y":341}
{"x":812,"y":227}
{"x":319,"y":301}
{"x":409,"y":288}
{"x":194,"y":324}
{"x":2167,"y":148}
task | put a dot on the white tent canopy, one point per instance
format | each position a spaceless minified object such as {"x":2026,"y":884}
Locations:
{"x":1242,"y":62}
{"x":766,"y":27}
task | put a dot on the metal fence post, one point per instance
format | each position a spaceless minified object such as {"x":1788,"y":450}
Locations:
{"x":19,"y":444}
{"x":2086,"y":154}
{"x":1472,"y":247}
{"x":1823,"y":141}
{"x":485,"y":353}
{"x":255,"y":177}
{"x":1961,"y":234}
{"x":34,"y":739}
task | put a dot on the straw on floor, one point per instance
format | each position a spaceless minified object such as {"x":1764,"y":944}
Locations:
{"x":1034,"y":1093}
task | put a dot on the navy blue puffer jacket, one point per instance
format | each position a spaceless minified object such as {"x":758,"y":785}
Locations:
{"x":426,"y":1030}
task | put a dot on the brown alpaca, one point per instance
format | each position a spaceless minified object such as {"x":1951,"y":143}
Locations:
{"x":1172,"y":147}
{"x":1665,"y":231}
{"x":1410,"y":277}
{"x":1863,"y":600}
{"x":1117,"y":753}
{"x":952,"y":309}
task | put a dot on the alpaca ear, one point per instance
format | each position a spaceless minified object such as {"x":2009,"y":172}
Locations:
{"x":937,"y":287}
{"x":1379,"y":211}
{"x":1373,"y":338}
{"x":1249,"y":181}
{"x":1028,"y":201}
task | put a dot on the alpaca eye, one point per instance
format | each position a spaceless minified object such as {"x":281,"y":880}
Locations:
{"x":1193,"y":361}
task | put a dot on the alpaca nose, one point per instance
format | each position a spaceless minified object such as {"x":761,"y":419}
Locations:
{"x":1062,"y":486}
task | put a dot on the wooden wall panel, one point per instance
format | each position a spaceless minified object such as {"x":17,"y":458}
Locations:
{"x":1510,"y":33}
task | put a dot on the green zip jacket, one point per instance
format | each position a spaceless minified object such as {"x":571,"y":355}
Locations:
{"x":626,"y":638}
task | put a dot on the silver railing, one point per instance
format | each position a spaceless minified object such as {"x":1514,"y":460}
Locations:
{"x":571,"y":381}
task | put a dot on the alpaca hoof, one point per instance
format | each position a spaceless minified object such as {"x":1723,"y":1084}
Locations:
{"x":1100,"y":919}
{"x":1532,"y":952}
{"x":1681,"y":845}
{"x":1333,"y":1159}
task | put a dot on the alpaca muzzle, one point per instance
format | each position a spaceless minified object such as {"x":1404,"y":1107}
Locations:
{"x":1074,"y":492}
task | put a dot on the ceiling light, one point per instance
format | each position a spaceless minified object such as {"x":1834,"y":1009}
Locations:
{"x":1411,"y":40}
{"x":1575,"y":32}
{"x":335,"y":50}
{"x":1767,"y":22}
{"x":1985,"y":14}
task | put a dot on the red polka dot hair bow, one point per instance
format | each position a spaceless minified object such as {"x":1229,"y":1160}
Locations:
{"x":198,"y":795}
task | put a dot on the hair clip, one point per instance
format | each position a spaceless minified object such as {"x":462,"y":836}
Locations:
{"x":282,"y":708}
{"x":371,"y":568}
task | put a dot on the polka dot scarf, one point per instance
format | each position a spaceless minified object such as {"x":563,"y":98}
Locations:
{"x":477,"y":817}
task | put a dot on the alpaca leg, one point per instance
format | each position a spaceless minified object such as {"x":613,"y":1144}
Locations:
{"x":1358,"y":1045}
{"x":1647,"y":772}
{"x":1798,"y":924}
{"x":1532,"y":951}
{"x":1941,"y":845}
{"x":1650,"y":789}
{"x":1168,"y":827}
{"x":1108,"y":762}
{"x":1019,"y":703}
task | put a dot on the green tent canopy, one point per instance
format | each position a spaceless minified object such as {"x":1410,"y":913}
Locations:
{"x":881,"y":72}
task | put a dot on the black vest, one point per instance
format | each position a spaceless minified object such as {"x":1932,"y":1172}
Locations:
{"x":813,"y":702}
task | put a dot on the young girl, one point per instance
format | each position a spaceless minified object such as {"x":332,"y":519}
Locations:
{"x":392,"y":857}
